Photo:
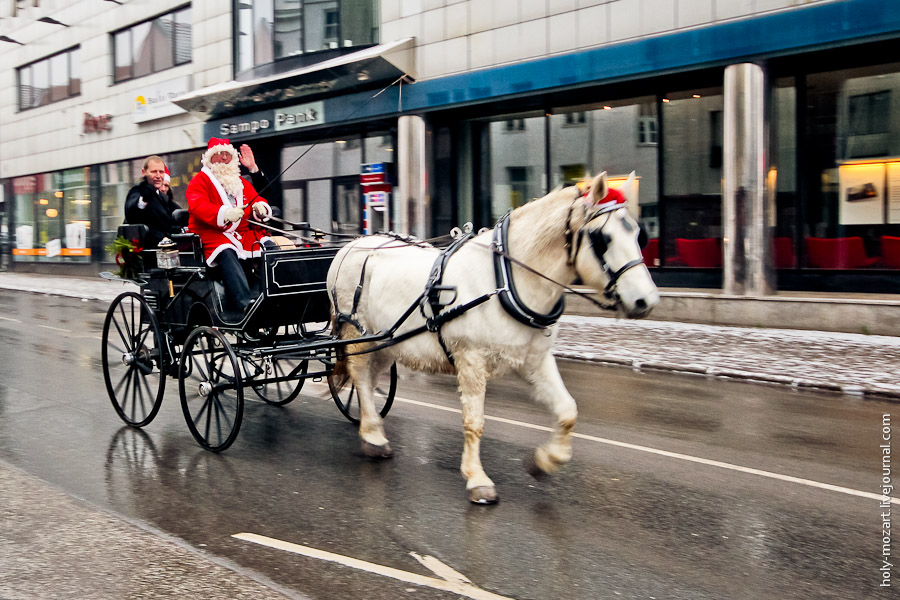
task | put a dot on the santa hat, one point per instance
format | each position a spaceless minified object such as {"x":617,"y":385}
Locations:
{"x":216,"y":145}
{"x":168,"y":176}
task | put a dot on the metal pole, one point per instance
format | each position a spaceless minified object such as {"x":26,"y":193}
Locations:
{"x":747,"y":211}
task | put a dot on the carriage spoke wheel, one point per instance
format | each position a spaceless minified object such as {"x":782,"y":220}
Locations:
{"x":347,"y":399}
{"x":210,"y":386}
{"x":277,"y":380}
{"x":133,"y":359}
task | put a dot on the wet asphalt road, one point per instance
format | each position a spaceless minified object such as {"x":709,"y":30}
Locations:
{"x":618,"y":522}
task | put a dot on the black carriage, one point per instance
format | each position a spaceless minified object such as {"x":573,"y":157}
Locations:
{"x":179,"y":326}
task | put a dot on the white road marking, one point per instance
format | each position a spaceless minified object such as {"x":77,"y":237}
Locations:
{"x":56,"y":328}
{"x":10,"y":319}
{"x":666,"y":453}
{"x":457,"y":583}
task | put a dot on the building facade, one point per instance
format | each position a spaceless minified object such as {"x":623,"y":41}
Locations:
{"x":456,"y":111}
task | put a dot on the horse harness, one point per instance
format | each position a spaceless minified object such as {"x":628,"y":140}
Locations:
{"x":505,"y":290}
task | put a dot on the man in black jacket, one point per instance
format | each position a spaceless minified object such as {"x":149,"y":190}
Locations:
{"x":146,"y":204}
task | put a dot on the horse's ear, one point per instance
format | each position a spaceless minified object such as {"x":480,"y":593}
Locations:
{"x":599,"y":188}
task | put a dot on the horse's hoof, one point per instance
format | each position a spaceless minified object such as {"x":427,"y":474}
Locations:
{"x":373,"y":451}
{"x":534,"y":470}
{"x":483,"y":494}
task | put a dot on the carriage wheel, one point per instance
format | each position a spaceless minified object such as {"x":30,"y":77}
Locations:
{"x":347,"y":399}
{"x":278,"y":393}
{"x":210,"y":385}
{"x":133,"y":359}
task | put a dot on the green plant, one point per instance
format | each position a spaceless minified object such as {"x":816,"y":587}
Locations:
{"x":128,"y":257}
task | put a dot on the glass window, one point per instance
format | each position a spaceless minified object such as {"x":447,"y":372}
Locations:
{"x":59,"y":77}
{"x":74,"y":72}
{"x":49,"y":80}
{"x":288,"y":28}
{"x":272,"y":29}
{"x":784,"y":170}
{"x":141,"y":50}
{"x":316,"y":25}
{"x":115,"y":181}
{"x":163,"y":34}
{"x":26,"y":89}
{"x":152,"y":46}
{"x":40,"y":81}
{"x":853,"y":213}
{"x":24,"y":208}
{"x":183,"y":36}
{"x":513,"y":164}
{"x":328,"y":170}
{"x":692,"y":188}
{"x":122,"y":58}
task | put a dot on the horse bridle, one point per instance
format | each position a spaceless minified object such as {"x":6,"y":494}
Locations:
{"x":599,"y":242}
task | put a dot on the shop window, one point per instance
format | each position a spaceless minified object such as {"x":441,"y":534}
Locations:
{"x":513,"y":170}
{"x":49,"y":80}
{"x":867,"y":113}
{"x":692,"y":189}
{"x":52,"y":217}
{"x":609,"y":140}
{"x":152,"y":46}
{"x":321,"y":181}
{"x":852,"y":210}
{"x":269,"y":30}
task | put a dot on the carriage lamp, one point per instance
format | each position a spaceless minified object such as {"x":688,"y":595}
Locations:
{"x":167,"y":255}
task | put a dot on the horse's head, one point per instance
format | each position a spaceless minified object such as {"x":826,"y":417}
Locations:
{"x":606,"y":250}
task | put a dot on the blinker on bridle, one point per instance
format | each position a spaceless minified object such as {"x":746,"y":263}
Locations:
{"x":600,"y":240}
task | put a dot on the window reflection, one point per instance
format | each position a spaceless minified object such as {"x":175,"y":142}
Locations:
{"x":853,"y":214}
{"x":692,"y":151}
{"x":515,"y":155}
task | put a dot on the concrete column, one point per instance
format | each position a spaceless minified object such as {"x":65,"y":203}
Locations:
{"x":748,"y":210}
{"x":410,"y":211}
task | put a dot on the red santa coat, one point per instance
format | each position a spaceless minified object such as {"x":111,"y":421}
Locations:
{"x":207,"y":202}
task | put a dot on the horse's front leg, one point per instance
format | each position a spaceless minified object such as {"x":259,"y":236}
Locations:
{"x":472,"y":384}
{"x":550,"y":389}
{"x":364,"y":370}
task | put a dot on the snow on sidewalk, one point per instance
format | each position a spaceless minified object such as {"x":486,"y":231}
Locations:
{"x":853,"y":363}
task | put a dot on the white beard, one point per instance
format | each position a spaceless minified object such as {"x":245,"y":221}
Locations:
{"x":229,"y":175}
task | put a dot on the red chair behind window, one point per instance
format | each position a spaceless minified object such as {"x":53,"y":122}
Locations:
{"x":705,"y":253}
{"x":784,"y":253}
{"x":890,"y":251}
{"x":838,"y":253}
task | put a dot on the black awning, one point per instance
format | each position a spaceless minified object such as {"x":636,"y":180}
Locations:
{"x":381,"y":63}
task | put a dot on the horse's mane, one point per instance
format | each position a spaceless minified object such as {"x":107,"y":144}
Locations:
{"x":543,"y":220}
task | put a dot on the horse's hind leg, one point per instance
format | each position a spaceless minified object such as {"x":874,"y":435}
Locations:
{"x":550,"y":389}
{"x":364,"y":370}
{"x":472,"y":385}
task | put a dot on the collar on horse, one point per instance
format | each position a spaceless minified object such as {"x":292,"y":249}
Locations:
{"x":509,"y":297}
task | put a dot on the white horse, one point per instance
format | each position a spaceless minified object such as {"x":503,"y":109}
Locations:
{"x":374,"y":280}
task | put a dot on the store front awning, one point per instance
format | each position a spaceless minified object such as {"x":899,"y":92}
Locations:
{"x":381,"y":63}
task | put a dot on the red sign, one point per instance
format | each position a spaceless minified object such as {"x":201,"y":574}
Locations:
{"x":93,"y":124}
{"x":24,"y":185}
{"x":370,"y":178}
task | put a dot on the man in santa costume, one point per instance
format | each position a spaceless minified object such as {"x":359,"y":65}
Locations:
{"x":220,"y":203}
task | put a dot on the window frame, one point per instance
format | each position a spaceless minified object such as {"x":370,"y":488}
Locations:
{"x":46,"y":62}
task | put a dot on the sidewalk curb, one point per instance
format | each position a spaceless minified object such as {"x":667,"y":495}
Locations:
{"x":868,"y":392}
